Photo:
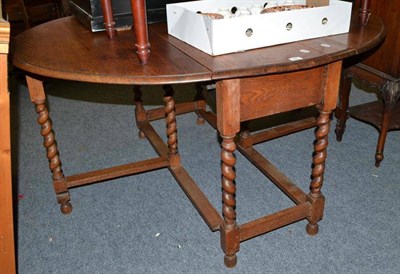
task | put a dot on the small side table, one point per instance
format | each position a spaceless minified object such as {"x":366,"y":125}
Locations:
{"x":381,"y":69}
{"x":384,"y":114}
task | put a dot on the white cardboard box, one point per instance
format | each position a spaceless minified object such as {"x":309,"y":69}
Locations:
{"x":222,"y":36}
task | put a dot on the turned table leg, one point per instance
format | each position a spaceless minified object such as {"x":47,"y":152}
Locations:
{"x":230,"y":237}
{"x":315,"y":196}
{"x":170,"y":119}
{"x":228,"y":124}
{"x":38,"y":97}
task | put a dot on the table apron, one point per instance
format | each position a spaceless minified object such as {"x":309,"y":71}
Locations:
{"x":266,"y":95}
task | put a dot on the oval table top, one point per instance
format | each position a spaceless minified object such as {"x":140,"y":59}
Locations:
{"x":65,"y":49}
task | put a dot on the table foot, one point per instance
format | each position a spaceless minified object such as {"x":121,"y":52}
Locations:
{"x":316,"y":213}
{"x":312,"y":229}
{"x":230,"y":242}
{"x":66,"y":208}
{"x":230,"y":261}
{"x":141,"y":135}
{"x":378,"y":158}
{"x":200,"y":120}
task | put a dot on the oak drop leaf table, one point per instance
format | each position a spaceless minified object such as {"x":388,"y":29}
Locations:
{"x":249,"y":85}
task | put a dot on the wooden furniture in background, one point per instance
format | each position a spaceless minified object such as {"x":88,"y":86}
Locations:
{"x":33,"y":12}
{"x":89,"y":12}
{"x":379,"y":69}
{"x":7,"y":249}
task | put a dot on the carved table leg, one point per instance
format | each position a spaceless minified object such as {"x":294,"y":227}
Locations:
{"x":391,"y":96}
{"x":228,"y":123}
{"x":38,"y":97}
{"x":230,"y":237}
{"x":315,"y":196}
{"x":341,"y":111}
{"x":386,"y":117}
{"x":140,"y":112}
{"x":170,"y":120}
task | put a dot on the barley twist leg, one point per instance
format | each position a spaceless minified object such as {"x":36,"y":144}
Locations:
{"x":170,"y":119}
{"x":315,"y":196}
{"x":230,"y":240}
{"x":49,"y":143}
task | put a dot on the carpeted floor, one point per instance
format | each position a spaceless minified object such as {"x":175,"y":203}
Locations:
{"x":145,"y":223}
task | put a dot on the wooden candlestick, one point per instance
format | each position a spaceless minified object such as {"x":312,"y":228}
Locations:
{"x":140,"y":26}
{"x":109,"y":22}
{"x":364,"y":12}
